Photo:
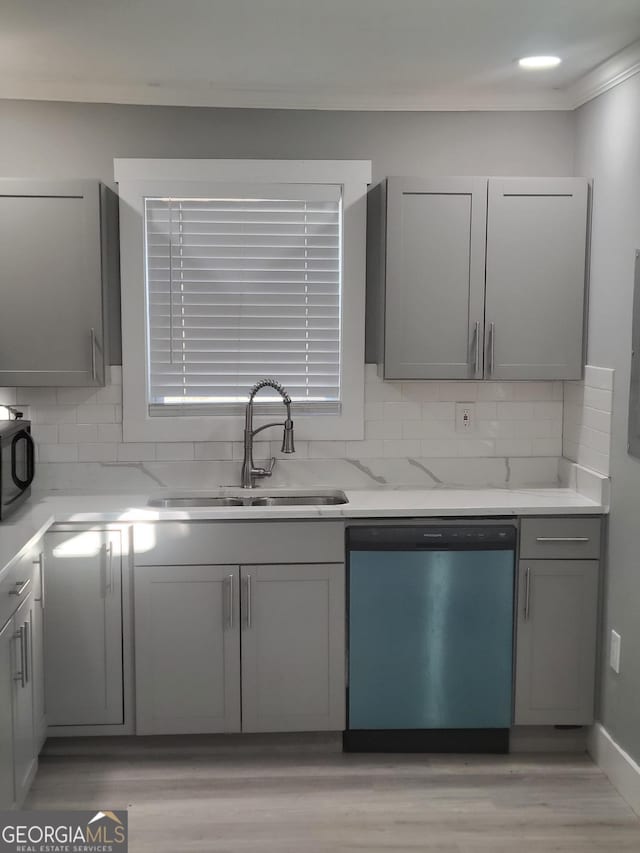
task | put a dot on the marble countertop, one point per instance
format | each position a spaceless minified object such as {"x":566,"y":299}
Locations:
{"x":26,"y":525}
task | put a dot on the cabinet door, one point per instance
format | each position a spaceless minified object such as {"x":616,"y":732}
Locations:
{"x":556,"y":642}
{"x":51,"y":324}
{"x":535,"y":283}
{"x":6,"y":716}
{"x":83,"y":627}
{"x":25,"y":752}
{"x":434,"y":302}
{"x":293,"y":648}
{"x":37,"y":650}
{"x":187,"y":639}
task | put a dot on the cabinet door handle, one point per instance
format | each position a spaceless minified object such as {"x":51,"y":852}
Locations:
{"x":527,"y":592}
{"x":20,"y":676}
{"x":229,"y":583}
{"x":476,"y":347}
{"x":40,"y":563}
{"x":248,"y":601}
{"x":108,"y":557}
{"x":562,"y":539}
{"x":492,"y":348}
{"x":94,"y":372}
{"x":26,"y":668}
{"x":20,"y":587}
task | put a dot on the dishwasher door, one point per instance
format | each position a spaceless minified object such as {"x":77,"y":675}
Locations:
{"x":431,"y":633}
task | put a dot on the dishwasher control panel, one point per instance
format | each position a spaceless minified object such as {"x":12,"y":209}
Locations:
{"x":475,"y":536}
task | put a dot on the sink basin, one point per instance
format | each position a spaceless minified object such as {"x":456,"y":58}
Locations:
{"x":299,"y":500}
{"x":195,"y":501}
{"x":249,"y":499}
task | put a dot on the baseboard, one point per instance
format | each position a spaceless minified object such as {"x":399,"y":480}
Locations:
{"x":183,"y":746}
{"x":545,"y":739}
{"x":621,"y":769}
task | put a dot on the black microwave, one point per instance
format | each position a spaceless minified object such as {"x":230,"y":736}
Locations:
{"x":17,"y":468}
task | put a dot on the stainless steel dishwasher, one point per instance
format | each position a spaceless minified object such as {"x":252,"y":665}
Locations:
{"x":430,"y":623}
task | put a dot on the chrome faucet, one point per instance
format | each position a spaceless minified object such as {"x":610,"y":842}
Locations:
{"x":249,"y":470}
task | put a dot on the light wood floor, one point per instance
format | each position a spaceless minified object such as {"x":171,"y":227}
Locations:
{"x":263,"y":803}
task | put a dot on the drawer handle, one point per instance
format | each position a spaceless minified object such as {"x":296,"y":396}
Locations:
{"x":20,"y":587}
{"x":562,"y":539}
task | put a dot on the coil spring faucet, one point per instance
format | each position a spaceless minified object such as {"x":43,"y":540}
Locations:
{"x":249,"y":470}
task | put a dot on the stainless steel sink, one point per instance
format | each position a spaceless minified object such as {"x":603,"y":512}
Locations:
{"x":195,"y":501}
{"x":243,"y":499}
{"x":300,"y":500}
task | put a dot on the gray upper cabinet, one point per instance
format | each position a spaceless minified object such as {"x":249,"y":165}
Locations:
{"x":58,"y":262}
{"x":472,"y":278}
{"x":535,"y":283}
{"x":434,"y":295}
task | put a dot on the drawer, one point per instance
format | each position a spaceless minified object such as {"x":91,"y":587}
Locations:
{"x":563,"y":538}
{"x":175,"y":543}
{"x":13,"y":580}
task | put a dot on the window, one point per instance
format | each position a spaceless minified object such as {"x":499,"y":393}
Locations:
{"x":237,"y":270}
{"x":237,"y":288}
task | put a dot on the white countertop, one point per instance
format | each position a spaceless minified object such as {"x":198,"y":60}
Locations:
{"x":26,"y":525}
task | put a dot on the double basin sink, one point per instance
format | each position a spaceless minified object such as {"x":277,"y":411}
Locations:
{"x":226,"y":498}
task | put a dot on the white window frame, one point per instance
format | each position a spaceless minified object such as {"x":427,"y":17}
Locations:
{"x":142,"y":178}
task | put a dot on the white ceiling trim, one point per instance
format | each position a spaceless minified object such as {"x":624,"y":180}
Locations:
{"x":286,"y":99}
{"x":605,"y":76}
{"x":614,"y":71}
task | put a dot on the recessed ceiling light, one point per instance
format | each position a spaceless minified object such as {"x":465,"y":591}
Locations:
{"x":539,"y":62}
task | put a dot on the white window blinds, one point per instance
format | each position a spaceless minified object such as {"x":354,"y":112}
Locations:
{"x":241,"y":288}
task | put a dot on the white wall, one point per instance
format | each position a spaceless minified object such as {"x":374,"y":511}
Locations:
{"x":608,"y":149}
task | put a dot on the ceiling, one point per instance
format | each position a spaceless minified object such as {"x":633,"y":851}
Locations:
{"x":331,"y":54}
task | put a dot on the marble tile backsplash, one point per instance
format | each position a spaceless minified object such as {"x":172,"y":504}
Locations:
{"x":404,"y":421}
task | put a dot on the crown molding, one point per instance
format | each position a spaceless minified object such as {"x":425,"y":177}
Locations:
{"x":271,"y":98}
{"x":604,"y":77}
{"x":610,"y":73}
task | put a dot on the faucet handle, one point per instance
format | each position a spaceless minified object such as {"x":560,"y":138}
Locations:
{"x":265,"y":472}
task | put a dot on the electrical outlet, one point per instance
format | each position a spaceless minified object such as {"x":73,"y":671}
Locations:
{"x":614,"y":651}
{"x":465,"y":417}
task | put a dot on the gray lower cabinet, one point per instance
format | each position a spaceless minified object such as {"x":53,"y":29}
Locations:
{"x":20,"y":684}
{"x":37,"y":651}
{"x":556,"y":642}
{"x":58,"y":262}
{"x":6,"y":714}
{"x":535,"y":279}
{"x":187,"y":649}
{"x":195,"y":623}
{"x":293,"y":658}
{"x":19,"y":748}
{"x":25,"y":752}
{"x":84,"y":660}
{"x":477,"y":278}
